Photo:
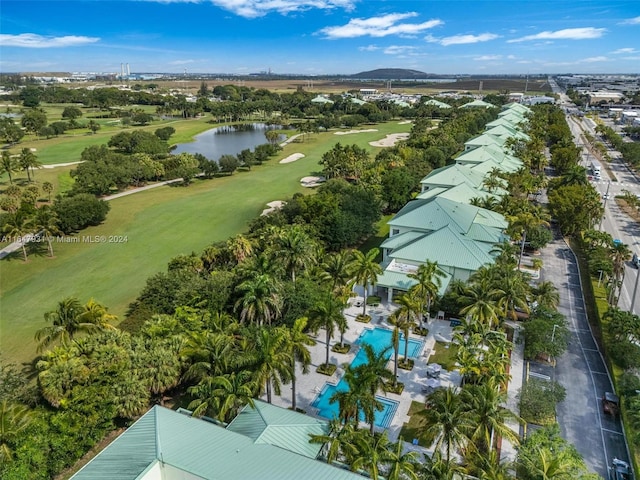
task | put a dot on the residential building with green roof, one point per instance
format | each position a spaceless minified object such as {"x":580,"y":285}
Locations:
{"x":478,"y":104}
{"x":483,"y":140}
{"x":268,"y":443}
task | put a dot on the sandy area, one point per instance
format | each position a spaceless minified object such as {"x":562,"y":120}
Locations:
{"x":349,"y":132}
{"x":292,"y":158}
{"x":390,"y":140}
{"x":405,"y":122}
{"x":312,"y":181}
{"x":273,"y":206}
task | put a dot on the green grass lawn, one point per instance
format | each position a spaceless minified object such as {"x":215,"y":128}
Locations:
{"x":158,"y":224}
{"x":444,"y":354}
{"x":416,"y":426}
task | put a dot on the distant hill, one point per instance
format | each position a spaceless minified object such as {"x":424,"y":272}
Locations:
{"x":391,"y":74}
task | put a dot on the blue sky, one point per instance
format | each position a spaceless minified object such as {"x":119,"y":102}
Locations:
{"x":316,"y":37}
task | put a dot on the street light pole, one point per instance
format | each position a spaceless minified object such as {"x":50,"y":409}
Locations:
{"x":635,"y":291}
{"x":604,"y":205}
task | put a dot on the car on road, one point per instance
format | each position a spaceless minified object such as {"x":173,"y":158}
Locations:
{"x":619,"y":470}
{"x":635,"y":261}
{"x":610,"y":403}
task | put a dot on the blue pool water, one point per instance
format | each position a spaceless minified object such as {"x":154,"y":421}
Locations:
{"x":379,"y":339}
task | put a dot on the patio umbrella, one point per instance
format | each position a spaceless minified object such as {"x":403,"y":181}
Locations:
{"x":434,"y":368}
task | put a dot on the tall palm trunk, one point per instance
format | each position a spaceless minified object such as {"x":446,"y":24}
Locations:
{"x":293,"y":384}
{"x":268,"y":388}
{"x":328,"y":340}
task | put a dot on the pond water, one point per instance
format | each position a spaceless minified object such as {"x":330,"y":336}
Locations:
{"x":227,"y":140}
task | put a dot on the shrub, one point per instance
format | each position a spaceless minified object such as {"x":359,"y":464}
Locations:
{"x":80,"y":211}
{"x":538,"y":399}
{"x":327,"y":369}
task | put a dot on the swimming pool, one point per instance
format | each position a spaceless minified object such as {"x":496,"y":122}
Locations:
{"x":379,"y":339}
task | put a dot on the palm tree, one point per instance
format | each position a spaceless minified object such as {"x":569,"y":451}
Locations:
{"x":327,"y":314}
{"x":545,"y":295}
{"x":223,"y":396}
{"x":429,"y":278}
{"x":487,"y":417}
{"x":298,"y":342}
{"x":370,"y":452}
{"x":260,"y":302}
{"x":240,"y":247}
{"x":47,"y":187}
{"x":28,"y":161}
{"x":375,"y":375}
{"x":335,"y":270}
{"x":447,"y":421}
{"x":512,"y":294}
{"x":70,"y":318}
{"x":401,"y":465}
{"x":294,"y":247}
{"x":8,"y":164}
{"x":268,"y":358}
{"x":210,"y":354}
{"x":45,"y":222}
{"x":14,"y":419}
{"x":337,"y":442}
{"x":437,"y":468}
{"x":15,"y":226}
{"x":365,"y":270}
{"x":479,"y":299}
{"x":404,"y":318}
{"x":351,"y":398}
{"x":59,"y":370}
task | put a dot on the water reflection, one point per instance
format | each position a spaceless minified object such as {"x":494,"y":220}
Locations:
{"x":228,"y":140}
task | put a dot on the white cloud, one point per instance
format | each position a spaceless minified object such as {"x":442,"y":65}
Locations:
{"x":462,"y":39}
{"x":485,"y":58}
{"x":33,"y":40}
{"x":511,"y":57}
{"x":369,"y":48}
{"x":181,"y":62}
{"x":595,"y":59}
{"x":380,"y":26}
{"x":260,"y":8}
{"x":398,"y":49}
{"x":566,"y":34}
{"x":624,"y":50}
{"x":631,"y":21}
{"x":631,"y":58}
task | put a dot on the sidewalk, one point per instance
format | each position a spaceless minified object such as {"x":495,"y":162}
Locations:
{"x":508,"y":451}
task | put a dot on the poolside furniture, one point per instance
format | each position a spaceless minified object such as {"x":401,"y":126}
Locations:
{"x":433,"y":370}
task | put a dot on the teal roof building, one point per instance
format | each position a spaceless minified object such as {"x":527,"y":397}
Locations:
{"x":268,"y":443}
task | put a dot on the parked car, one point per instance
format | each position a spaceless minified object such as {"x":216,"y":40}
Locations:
{"x":635,"y":261}
{"x":610,"y":403}
{"x":619,"y":470}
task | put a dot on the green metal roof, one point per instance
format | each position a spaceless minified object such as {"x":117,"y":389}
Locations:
{"x":484,"y":153}
{"x":201,"y":449}
{"x":447,"y":247}
{"x":400,"y":281}
{"x":512,"y":116}
{"x":435,"y":213}
{"x":321,"y":99}
{"x":509,"y":122}
{"x":478,"y":103}
{"x":400,"y":240}
{"x":280,"y":427}
{"x":436,"y":103}
{"x":507,"y":132}
{"x":485,"y":167}
{"x":486,"y":139}
{"x":462,"y":193}
{"x":517,"y":107}
{"x":452,"y":175}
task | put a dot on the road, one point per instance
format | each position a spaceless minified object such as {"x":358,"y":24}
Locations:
{"x":581,"y":370}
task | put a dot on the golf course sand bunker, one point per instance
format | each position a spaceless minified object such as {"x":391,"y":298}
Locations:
{"x":390,"y":140}
{"x":292,"y":158}
{"x":310,"y":182}
{"x":349,"y":132}
{"x":273,"y":206}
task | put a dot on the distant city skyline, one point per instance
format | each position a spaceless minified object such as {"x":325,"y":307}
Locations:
{"x":320,"y":37}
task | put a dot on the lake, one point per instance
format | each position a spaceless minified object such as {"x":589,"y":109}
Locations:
{"x":227,"y":140}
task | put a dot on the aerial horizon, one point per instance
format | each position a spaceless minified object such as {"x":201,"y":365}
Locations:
{"x":320,"y":37}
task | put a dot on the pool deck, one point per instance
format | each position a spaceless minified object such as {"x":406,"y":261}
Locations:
{"x":309,"y":386}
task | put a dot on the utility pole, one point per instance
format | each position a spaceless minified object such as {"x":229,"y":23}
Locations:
{"x":604,"y":205}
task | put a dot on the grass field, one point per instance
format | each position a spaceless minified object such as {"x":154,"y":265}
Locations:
{"x":158,"y":224}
